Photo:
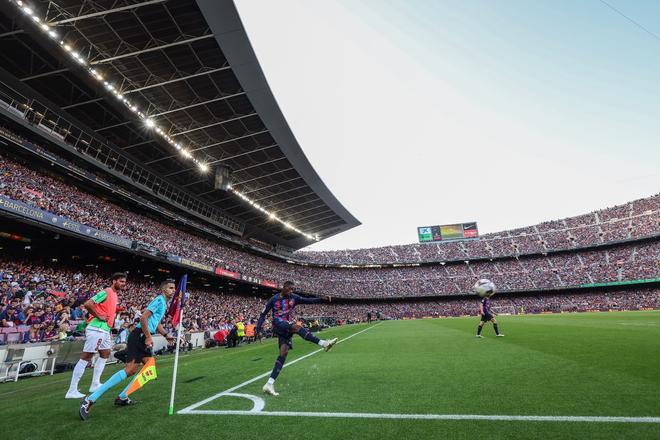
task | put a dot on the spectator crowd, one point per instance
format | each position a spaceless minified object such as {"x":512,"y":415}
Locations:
{"x":636,"y":219}
{"x":44,"y":301}
{"x":553,"y":270}
{"x":44,"y":298}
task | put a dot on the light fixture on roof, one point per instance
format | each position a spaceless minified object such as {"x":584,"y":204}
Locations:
{"x":76,"y":56}
{"x":271,"y":215}
{"x":96,"y":74}
{"x":48,"y":30}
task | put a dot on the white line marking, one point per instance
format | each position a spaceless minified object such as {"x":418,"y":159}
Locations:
{"x":261,"y":376}
{"x":590,"y":419}
{"x":259,"y":403}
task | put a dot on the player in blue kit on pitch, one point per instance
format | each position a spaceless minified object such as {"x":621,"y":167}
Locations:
{"x":284,"y":328}
{"x":487,"y":315}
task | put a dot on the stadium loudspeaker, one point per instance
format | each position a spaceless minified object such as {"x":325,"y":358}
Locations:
{"x":221,"y":178}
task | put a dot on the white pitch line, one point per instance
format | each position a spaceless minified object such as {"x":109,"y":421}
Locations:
{"x":188,"y":409}
{"x":589,"y":419}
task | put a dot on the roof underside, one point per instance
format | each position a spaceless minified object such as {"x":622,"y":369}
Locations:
{"x":166,"y":56}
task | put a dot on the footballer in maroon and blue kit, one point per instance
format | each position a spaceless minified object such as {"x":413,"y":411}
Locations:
{"x":487,"y":315}
{"x":284,"y":327}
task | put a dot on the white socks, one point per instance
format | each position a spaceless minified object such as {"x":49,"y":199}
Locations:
{"x":323,"y":343}
{"x":77,"y":374}
{"x":99,"y":365}
{"x":271,"y":381}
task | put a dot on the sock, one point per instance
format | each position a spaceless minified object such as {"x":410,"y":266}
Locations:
{"x":98,"y":370}
{"x":307,"y":335}
{"x":497,"y":332}
{"x":479,"y":328}
{"x":78,"y":372}
{"x":271,"y":381}
{"x":115,"y":379}
{"x":322,"y":342}
{"x":123,"y":395}
{"x":279,"y":363}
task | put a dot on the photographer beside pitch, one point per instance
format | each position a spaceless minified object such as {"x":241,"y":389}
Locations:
{"x":138,"y":349}
{"x":282,"y":305}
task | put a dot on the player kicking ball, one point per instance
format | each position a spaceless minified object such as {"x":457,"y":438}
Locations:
{"x":138,"y":350}
{"x":486,"y":289}
{"x":284,"y":328}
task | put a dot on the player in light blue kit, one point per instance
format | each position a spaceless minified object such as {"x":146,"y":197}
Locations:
{"x":138,"y":349}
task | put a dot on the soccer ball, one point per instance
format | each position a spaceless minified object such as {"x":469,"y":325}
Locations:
{"x":484,"y":287}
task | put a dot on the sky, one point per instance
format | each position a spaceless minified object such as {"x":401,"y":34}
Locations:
{"x":503,"y":112}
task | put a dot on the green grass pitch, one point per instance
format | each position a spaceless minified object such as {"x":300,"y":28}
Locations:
{"x":592,"y":364}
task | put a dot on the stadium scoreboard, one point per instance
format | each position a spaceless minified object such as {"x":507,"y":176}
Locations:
{"x":456,"y":231}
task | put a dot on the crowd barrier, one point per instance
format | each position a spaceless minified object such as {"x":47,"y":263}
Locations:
{"x":50,"y":357}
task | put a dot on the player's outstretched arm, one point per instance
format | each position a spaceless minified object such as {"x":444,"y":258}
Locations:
{"x":303,"y":300}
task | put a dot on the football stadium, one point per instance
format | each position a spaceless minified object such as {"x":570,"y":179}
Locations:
{"x":160,"y":224}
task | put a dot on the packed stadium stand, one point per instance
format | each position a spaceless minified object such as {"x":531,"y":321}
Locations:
{"x":620,"y":260}
{"x":43,"y":301}
{"x":160,"y":153}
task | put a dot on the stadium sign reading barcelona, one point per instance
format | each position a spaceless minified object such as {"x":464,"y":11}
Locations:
{"x":196,"y":265}
{"x":29,"y":212}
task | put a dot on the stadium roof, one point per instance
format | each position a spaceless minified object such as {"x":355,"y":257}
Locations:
{"x":190,"y":68}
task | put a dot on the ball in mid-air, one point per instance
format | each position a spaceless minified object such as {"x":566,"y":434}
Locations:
{"x":484,"y":287}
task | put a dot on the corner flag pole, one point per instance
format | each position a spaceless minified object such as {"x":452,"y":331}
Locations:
{"x":176,"y":365}
{"x":170,"y":411}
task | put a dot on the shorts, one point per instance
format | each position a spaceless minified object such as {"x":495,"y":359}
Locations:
{"x":136,"y":349}
{"x":486,"y":317}
{"x":284,"y":332}
{"x":96,"y":339}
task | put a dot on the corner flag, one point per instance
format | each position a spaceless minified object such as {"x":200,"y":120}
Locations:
{"x":176,"y":312}
{"x":176,"y":305}
{"x":147,"y":373}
